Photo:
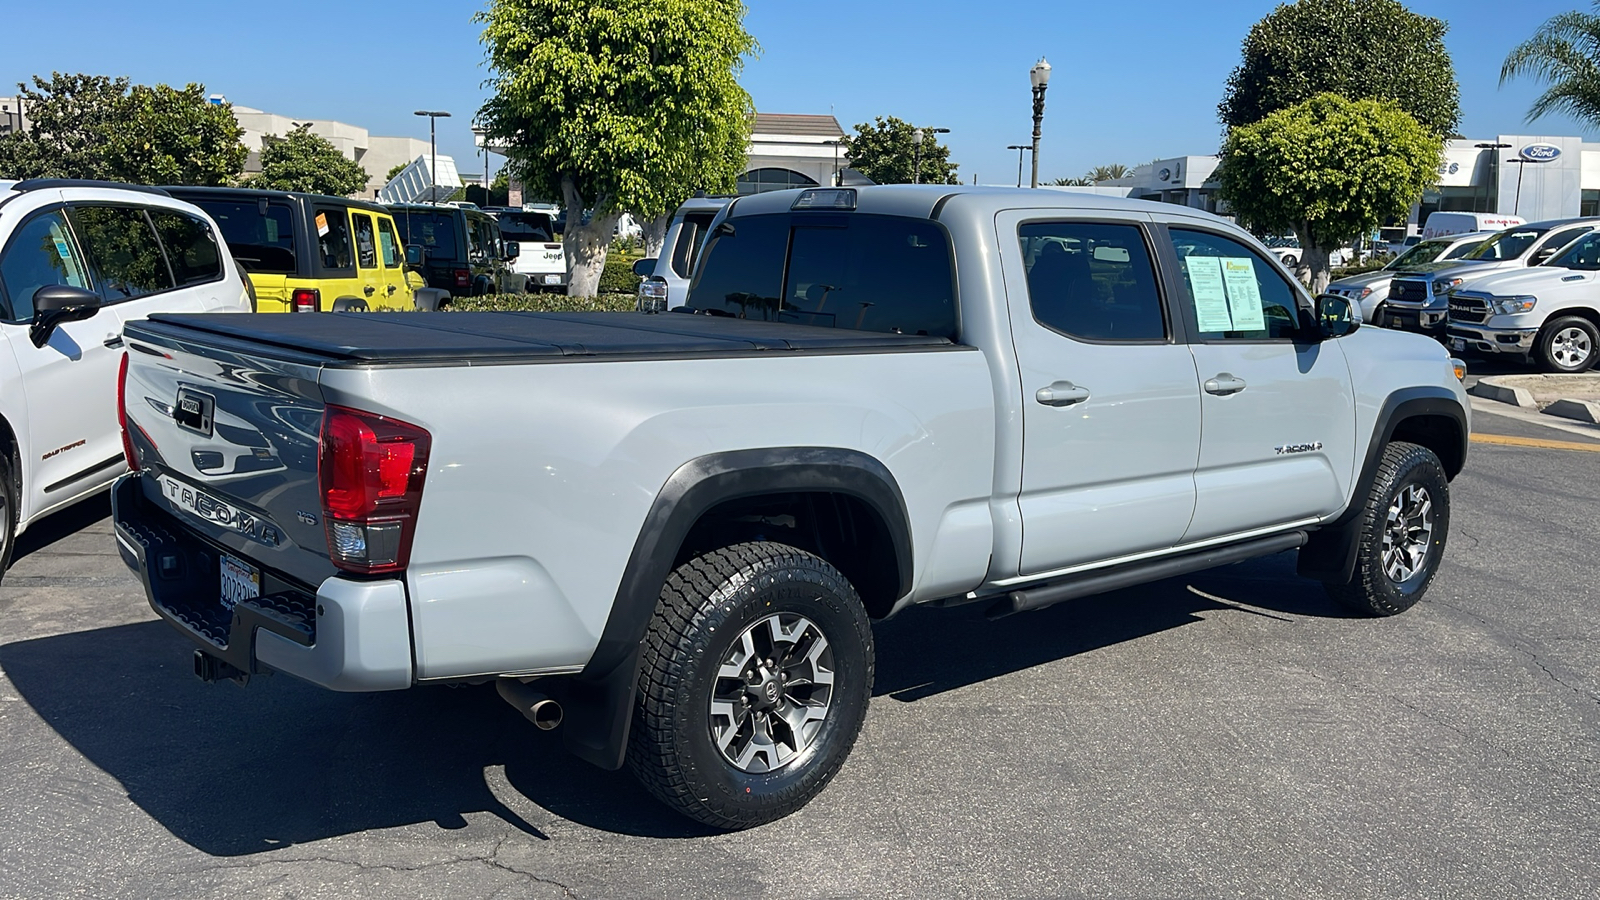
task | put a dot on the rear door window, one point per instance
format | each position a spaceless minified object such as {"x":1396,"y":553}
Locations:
{"x":190,"y":245}
{"x":686,"y":249}
{"x":40,"y":253}
{"x":434,"y":232}
{"x":334,"y":252}
{"x":866,"y":272}
{"x":1092,"y":281}
{"x":124,"y":253}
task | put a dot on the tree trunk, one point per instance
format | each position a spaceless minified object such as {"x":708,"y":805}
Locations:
{"x":585,"y":245}
{"x":655,"y":233}
{"x":1315,"y":270}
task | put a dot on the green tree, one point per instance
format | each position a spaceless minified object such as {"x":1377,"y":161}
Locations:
{"x":1564,"y":54}
{"x":1328,"y":169}
{"x":1083,"y":181}
{"x":1360,"y":49}
{"x":303,"y":161}
{"x":616,"y":106}
{"x":394,"y":170}
{"x":1107,"y":173}
{"x":885,"y":150}
{"x":91,"y":126}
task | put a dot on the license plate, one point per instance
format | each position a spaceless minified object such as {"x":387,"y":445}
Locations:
{"x":239,"y":581}
{"x":552,"y":279}
{"x":1458,"y":344}
{"x":1397,"y":322}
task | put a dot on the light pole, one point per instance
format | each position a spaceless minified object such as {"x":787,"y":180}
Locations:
{"x":917,"y":137}
{"x":1494,"y":170}
{"x":433,"y":150}
{"x":1039,"y":75}
{"x":1019,"y":148}
{"x":483,"y":138}
{"x":1522,"y":164}
{"x":835,"y":145}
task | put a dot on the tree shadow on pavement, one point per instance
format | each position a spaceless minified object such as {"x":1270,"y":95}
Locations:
{"x":235,"y":772}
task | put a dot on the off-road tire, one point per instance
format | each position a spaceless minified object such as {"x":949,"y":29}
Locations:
{"x":349,"y":304}
{"x":705,"y":607}
{"x":1373,"y":591}
{"x":1553,"y":350}
{"x":8,"y":511}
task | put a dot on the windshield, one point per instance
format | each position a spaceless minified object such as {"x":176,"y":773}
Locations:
{"x":532,"y":227}
{"x":1583,"y":254}
{"x":1425,"y":252}
{"x":1508,"y":244}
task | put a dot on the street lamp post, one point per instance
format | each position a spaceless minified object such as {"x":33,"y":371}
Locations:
{"x":917,"y":137}
{"x":1019,"y":148}
{"x":433,"y":151}
{"x":1039,"y":75}
{"x":1494,"y":170}
{"x":1522,"y":164}
{"x":483,"y":136}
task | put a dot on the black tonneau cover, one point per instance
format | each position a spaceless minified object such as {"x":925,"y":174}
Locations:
{"x":366,"y":339}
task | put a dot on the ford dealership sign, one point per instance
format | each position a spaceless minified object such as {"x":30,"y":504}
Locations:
{"x":1540,"y":153}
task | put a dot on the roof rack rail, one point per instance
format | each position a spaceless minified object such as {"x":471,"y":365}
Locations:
{"x":45,"y":184}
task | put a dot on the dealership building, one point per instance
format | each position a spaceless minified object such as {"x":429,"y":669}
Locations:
{"x":1533,"y":176}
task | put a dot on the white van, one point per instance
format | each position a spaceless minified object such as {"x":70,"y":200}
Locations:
{"x":1442,"y":224}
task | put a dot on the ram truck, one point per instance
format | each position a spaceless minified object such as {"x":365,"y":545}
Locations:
{"x":671,"y":532}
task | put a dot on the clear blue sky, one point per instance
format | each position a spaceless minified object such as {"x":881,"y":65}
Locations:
{"x":1133,"y":81}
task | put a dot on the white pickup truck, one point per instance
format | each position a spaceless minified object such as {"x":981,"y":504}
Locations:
{"x":673,"y":530}
{"x":1547,"y":314}
{"x":78,"y":260}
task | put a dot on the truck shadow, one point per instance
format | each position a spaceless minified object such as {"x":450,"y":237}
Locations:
{"x":235,"y":772}
{"x":61,"y":525}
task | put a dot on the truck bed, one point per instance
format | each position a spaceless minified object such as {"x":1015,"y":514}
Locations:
{"x":458,"y":338}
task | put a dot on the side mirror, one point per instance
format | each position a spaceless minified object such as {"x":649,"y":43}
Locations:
{"x":1335,"y":316}
{"x":644,"y":268}
{"x":415,"y":254}
{"x":54,"y":304}
{"x":513,"y":250}
{"x":1539,"y":258}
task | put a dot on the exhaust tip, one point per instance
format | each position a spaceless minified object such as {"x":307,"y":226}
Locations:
{"x":545,"y":715}
{"x":537,"y":708}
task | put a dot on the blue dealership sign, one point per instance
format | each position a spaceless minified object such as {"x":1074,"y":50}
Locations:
{"x":1540,"y":153}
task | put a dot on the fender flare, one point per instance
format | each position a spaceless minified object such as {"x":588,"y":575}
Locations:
{"x":1330,"y":553}
{"x":600,"y":699}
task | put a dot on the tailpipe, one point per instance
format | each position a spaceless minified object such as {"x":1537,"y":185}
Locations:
{"x":537,"y":708}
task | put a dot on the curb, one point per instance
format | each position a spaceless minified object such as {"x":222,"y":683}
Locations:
{"x":1492,"y":389}
{"x":1578,"y":410}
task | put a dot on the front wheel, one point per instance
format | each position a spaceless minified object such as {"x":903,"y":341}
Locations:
{"x":1568,"y":345}
{"x":1403,"y":532}
{"x":753,"y":685}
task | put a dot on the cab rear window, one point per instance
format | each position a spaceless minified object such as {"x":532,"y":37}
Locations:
{"x":864,"y":272}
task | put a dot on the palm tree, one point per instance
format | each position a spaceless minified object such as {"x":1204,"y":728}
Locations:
{"x":1565,"y":54}
{"x":1107,"y":173}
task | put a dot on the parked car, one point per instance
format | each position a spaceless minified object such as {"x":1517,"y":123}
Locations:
{"x":458,"y":250}
{"x":1449,"y":222}
{"x":312,"y":253}
{"x":1287,"y":250}
{"x":669,"y":533}
{"x":540,"y":259}
{"x":1370,"y":289}
{"x":1420,"y":300}
{"x":78,"y":260}
{"x":666,"y":279}
{"x":1548,"y":314}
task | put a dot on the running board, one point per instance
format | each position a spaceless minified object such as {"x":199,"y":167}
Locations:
{"x":1132,"y":574}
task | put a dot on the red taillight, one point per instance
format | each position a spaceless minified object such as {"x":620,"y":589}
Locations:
{"x":122,"y":414}
{"x":306,"y":299}
{"x":463,"y":278}
{"x":371,"y":471}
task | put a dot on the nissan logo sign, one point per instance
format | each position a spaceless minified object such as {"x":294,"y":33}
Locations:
{"x":1540,"y":153}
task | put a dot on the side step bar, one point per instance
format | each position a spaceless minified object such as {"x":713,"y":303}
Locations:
{"x":1099,"y":582}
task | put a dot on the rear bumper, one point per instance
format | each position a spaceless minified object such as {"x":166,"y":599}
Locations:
{"x":545,"y":279}
{"x":1477,"y":338}
{"x":346,"y":635}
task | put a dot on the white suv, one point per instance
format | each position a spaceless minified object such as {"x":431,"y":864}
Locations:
{"x":77,"y":260}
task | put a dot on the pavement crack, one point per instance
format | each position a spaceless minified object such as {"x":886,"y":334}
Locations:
{"x":1515,"y":645}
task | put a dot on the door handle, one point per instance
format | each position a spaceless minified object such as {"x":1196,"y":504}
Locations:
{"x":114,"y":341}
{"x":367,"y":290}
{"x":1224,"y":384}
{"x":1061,"y":393}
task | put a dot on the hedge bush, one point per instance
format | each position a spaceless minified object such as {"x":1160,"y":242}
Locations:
{"x":618,"y":277}
{"x":606,"y":302}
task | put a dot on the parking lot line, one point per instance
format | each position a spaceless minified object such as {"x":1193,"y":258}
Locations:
{"x":1540,"y":443}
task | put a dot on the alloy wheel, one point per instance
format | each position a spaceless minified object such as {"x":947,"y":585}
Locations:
{"x":772,"y":693}
{"x":1408,"y":533}
{"x":1571,"y":348}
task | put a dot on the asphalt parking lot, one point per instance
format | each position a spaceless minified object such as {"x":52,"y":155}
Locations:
{"x":1227,"y":734}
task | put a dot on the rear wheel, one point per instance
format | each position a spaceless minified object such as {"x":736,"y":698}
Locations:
{"x":1568,"y":345}
{"x":8,"y":513}
{"x":1403,"y":532}
{"x":349,"y":304}
{"x":753,"y":685}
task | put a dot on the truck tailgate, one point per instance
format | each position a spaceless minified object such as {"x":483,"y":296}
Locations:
{"x":227,"y":437}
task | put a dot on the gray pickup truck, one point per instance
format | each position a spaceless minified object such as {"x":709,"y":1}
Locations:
{"x":670,"y":532}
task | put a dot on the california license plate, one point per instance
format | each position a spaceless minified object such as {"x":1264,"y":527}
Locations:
{"x":552,"y":279}
{"x":239,"y":581}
